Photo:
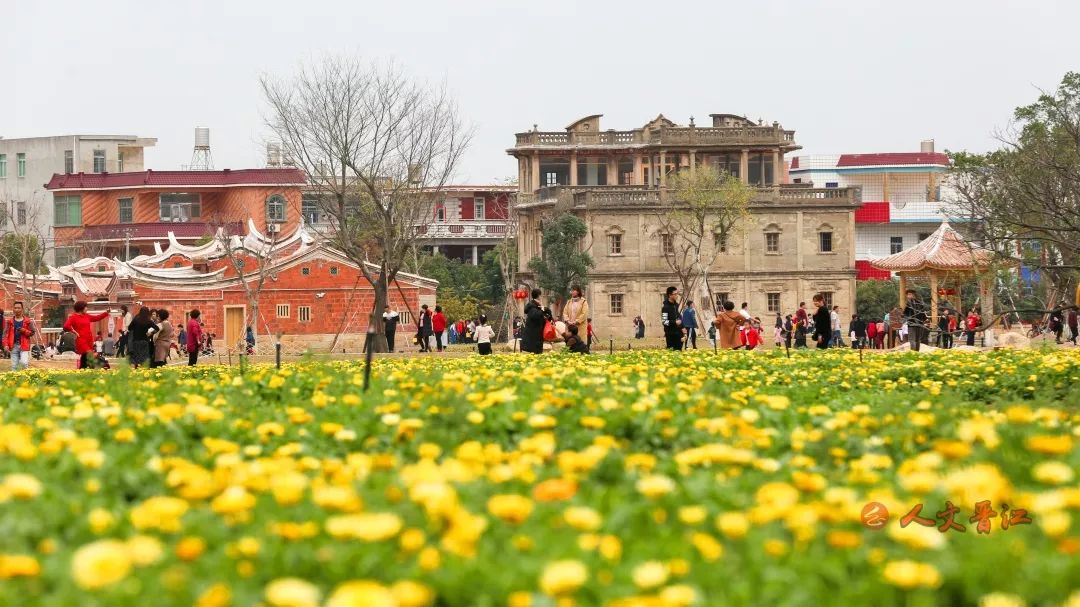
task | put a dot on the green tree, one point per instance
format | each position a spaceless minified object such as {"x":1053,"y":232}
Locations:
{"x":874,"y":298}
{"x":708,"y":210}
{"x":562,"y":263}
{"x":1026,"y":195}
{"x":22,"y":252}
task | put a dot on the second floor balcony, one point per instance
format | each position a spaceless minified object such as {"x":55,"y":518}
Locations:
{"x":186,"y":230}
{"x":663,"y":136}
{"x":644,"y":196}
{"x":465,"y":229}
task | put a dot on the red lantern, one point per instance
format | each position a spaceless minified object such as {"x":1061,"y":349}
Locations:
{"x":521,"y":294}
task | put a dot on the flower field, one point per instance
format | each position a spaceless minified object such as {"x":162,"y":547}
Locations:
{"x":643,"y":478}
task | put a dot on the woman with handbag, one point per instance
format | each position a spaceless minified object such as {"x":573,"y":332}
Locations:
{"x":537,"y":321}
{"x":164,"y":340}
{"x":140,"y":333}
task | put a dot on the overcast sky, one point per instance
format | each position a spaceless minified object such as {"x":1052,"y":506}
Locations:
{"x":853,"y":76}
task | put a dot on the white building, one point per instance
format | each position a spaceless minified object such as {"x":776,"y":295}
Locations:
{"x":27,"y":164}
{"x":902,"y":194}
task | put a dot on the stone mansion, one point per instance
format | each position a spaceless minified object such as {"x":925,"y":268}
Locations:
{"x":801,"y":241}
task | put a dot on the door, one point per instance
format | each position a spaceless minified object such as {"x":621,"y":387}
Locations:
{"x":234,"y":325}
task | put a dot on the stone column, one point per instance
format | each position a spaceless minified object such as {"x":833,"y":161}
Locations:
{"x":933,"y":298}
{"x":693,"y":161}
{"x":636,"y":179}
{"x":534,"y":173}
{"x":777,"y":170}
{"x":744,"y":166}
{"x":903,"y":288}
{"x":573,"y":168}
{"x":663,"y":168}
{"x":798,"y":239}
{"x":475,"y":255}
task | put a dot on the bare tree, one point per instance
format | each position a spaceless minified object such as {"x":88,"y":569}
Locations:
{"x":707,"y":211}
{"x":23,"y":249}
{"x":375,"y":146}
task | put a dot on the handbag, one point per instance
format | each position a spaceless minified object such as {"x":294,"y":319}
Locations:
{"x":549,"y":331}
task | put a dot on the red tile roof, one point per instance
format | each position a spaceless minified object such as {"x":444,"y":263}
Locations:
{"x":945,"y":249}
{"x":159,"y":179}
{"x":893,"y":158}
{"x":872,"y":212}
{"x":865,"y":271}
{"x":795,"y":162}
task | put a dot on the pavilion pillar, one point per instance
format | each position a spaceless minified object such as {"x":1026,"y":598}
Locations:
{"x":534,"y":173}
{"x":986,"y":298}
{"x":693,"y":161}
{"x":573,"y":168}
{"x":637,"y":178}
{"x":933,"y":298}
{"x":663,"y":168}
{"x":903,"y":288}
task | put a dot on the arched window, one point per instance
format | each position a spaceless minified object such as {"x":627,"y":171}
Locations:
{"x":275,"y":208}
{"x":772,"y":239}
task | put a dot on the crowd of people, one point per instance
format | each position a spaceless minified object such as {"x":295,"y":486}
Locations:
{"x":146,"y":338}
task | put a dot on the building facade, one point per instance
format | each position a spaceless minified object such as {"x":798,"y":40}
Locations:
{"x":122,"y":214}
{"x":800,"y":240}
{"x":468,"y":221}
{"x":903,"y":197}
{"x":312,"y":295}
{"x":26,"y":164}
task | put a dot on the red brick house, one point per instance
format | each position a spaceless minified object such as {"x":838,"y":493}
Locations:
{"x":311,"y":292}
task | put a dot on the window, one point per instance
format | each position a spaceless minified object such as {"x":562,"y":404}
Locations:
{"x":772,"y":242}
{"x":20,"y":213}
{"x":615,"y":305}
{"x":721,"y":298}
{"x":306,"y":271}
{"x":20,"y":164}
{"x":728,"y":163}
{"x":923,"y":236}
{"x":283,"y":310}
{"x":309,"y":208}
{"x":99,"y":161}
{"x":832,"y":184}
{"x":825,"y":242}
{"x":69,"y":162}
{"x":180,"y":207}
{"x":119,"y":162}
{"x":759,"y":168}
{"x":615,"y":242}
{"x":720,"y":242}
{"x":478,"y":208}
{"x":827,"y":296}
{"x":667,"y":244}
{"x":592,"y":170}
{"x":554,"y":171}
{"x":772,"y":301}
{"x":67,"y":210}
{"x":440,"y":213}
{"x":303,"y":313}
{"x":797,"y":180}
{"x":3,"y":166}
{"x":275,"y":208}
{"x":333,"y":270}
{"x":64,"y":256}
{"x":404,"y":318}
{"x":896,"y":244}
{"x":126,"y":210}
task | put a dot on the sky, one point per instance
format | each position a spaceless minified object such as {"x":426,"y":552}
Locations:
{"x":847,"y":76}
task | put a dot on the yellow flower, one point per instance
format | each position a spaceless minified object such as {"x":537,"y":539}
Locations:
{"x":160,"y":512}
{"x":217,"y":595}
{"x":510,"y":508}
{"x":563,"y":577}
{"x":366,"y":526}
{"x":18,"y":565}
{"x":1052,"y":473}
{"x":650,"y":575}
{"x":288,"y":488}
{"x":1001,"y":599}
{"x":124,"y":435}
{"x":911,"y":574}
{"x":1056,"y":523}
{"x":918,"y":537}
{"x":361,"y":593}
{"x":708,"y":546}
{"x":100,"y":520}
{"x":100,"y":564}
{"x":610,"y":547}
{"x":276,"y":382}
{"x":22,"y":486}
{"x":692,"y":515}
{"x":411,"y":594}
{"x":678,"y":596}
{"x":775,"y":547}
{"x":978,"y":429}
{"x":655,"y":485}
{"x":1050,"y":445}
{"x":734,"y":525}
{"x":843,"y":539}
{"x":583,"y":518}
{"x":291,"y":592}
{"x":429,"y":559}
{"x":475,"y":417}
{"x":233,"y":500}
{"x":190,"y":548}
{"x":145,"y":550}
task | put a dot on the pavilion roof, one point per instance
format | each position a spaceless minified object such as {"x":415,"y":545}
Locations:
{"x":945,"y":249}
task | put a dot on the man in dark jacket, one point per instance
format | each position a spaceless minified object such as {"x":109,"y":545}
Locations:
{"x":822,"y":323}
{"x":573,"y":342}
{"x":423,"y":329}
{"x":915,"y":317}
{"x":536,"y":316}
{"x":858,"y":329}
{"x":669,"y":318}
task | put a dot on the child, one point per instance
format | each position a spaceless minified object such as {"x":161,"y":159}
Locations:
{"x":483,"y":334}
{"x":589,"y":335}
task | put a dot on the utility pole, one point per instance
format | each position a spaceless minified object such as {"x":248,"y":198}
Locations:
{"x":127,"y":243}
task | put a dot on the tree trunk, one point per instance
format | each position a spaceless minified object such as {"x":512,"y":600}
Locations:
{"x":382,"y":296}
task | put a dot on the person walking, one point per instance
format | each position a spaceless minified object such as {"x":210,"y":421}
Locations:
{"x":971,"y":323}
{"x":590,"y":336}
{"x":822,"y":323}
{"x":778,"y":331}
{"x":390,"y":322}
{"x":894,"y":320}
{"x":194,"y":337}
{"x":1057,"y":322}
{"x":802,"y":320}
{"x":857,"y":331}
{"x":576,"y":310}
{"x":915,"y":316}
{"x":944,"y":337}
{"x":670,"y":319}
{"x":871,"y":334}
{"x":438,"y":326}
{"x":484,"y":335}
{"x":536,"y":317}
{"x":789,"y":331}
{"x":423,"y":329}
{"x":727,"y":325}
{"x":837,"y":333}
{"x":639,"y":328}
{"x":1071,"y":319}
{"x":164,"y":340}
{"x":141,"y":329}
{"x":79,"y":323}
{"x":690,"y":324}
{"x":249,"y":338}
{"x":18,"y":333}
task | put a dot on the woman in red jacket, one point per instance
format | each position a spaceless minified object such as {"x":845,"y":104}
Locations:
{"x":438,"y":326}
{"x":79,"y":323}
{"x":18,"y":330}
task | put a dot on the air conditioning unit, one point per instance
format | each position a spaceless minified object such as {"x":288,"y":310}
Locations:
{"x":273,"y":228}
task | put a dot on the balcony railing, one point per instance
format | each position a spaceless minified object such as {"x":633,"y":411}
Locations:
{"x":636,"y":195}
{"x":157,"y":230}
{"x":687,"y":136}
{"x":464,"y":229}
